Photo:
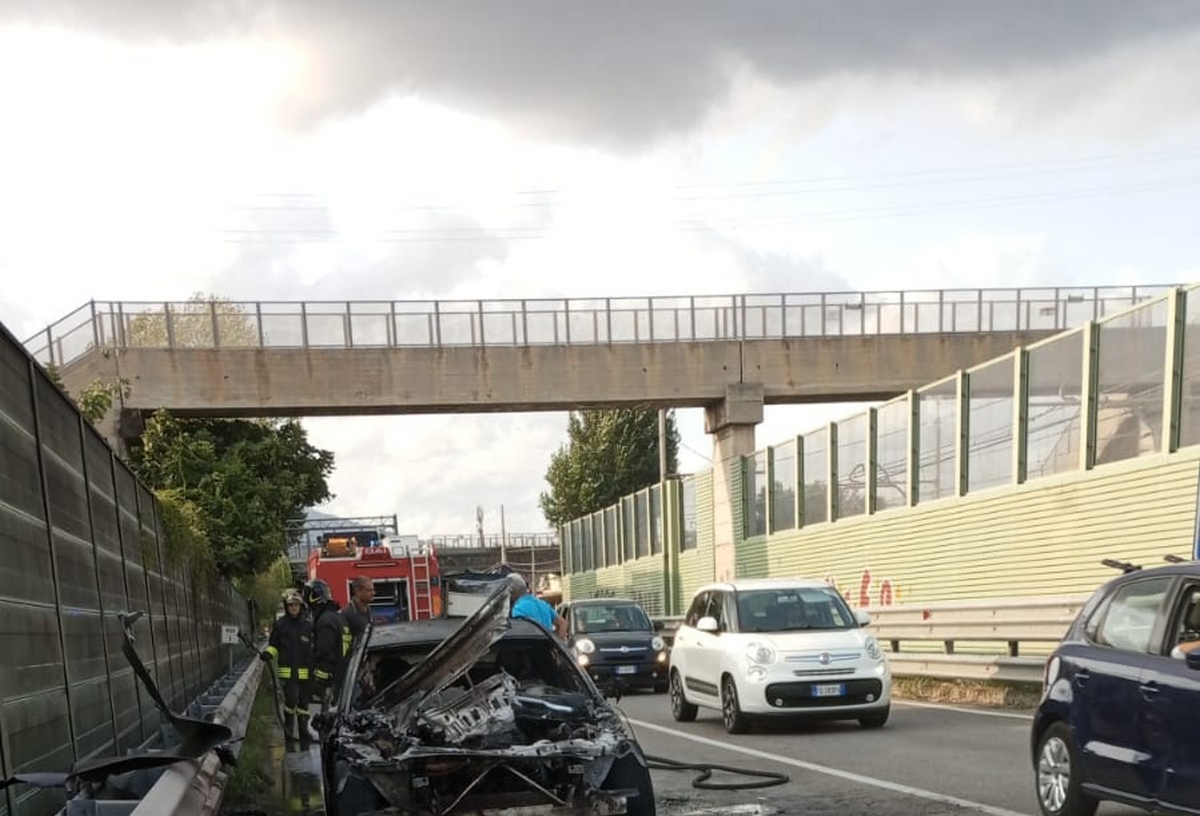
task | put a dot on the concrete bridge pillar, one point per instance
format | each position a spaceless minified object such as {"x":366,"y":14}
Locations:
{"x":731,"y":422}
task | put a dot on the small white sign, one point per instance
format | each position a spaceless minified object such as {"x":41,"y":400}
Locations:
{"x":229,"y":634}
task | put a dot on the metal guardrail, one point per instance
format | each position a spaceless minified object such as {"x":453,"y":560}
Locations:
{"x":974,"y":640}
{"x":435,"y":324}
{"x":195,"y":788}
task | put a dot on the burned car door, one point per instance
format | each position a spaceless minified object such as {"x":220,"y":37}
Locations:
{"x":492,"y":715}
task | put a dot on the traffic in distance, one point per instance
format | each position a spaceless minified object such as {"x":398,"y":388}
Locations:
{"x":1115,"y":721}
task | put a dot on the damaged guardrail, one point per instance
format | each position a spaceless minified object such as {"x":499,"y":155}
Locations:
{"x":196,"y":786}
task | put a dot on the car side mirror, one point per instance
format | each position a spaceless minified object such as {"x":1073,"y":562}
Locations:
{"x":659,"y":625}
{"x":863,"y":617}
{"x":1192,"y":659}
{"x":708,"y":624}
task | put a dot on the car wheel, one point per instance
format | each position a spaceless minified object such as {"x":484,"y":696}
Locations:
{"x":736,"y":722}
{"x":875,"y":720}
{"x":627,"y":772}
{"x":1058,"y":769}
{"x":681,"y":709}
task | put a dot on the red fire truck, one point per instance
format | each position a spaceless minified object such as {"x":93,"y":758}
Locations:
{"x":405,"y":574}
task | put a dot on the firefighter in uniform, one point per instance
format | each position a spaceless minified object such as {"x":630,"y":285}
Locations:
{"x":290,"y":646}
{"x":331,"y":641}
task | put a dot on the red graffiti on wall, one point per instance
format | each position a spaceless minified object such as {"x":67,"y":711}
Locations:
{"x":885,"y":593}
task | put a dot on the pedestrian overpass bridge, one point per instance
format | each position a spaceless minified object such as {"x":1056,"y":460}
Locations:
{"x":220,"y":358}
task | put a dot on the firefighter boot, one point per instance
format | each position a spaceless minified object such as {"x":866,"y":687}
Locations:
{"x":305,"y":736}
{"x":289,"y":725}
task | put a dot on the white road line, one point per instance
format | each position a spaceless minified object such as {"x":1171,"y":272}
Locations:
{"x":907,"y":790}
{"x":1012,"y":715}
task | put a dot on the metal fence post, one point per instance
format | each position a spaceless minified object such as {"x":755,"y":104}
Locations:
{"x":52,"y":550}
{"x":169,"y":322}
{"x":258,"y":319}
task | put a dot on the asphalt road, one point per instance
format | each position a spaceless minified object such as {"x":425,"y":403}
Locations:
{"x":927,"y":760}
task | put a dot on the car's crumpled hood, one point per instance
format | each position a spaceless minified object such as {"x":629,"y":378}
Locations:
{"x":456,"y":654}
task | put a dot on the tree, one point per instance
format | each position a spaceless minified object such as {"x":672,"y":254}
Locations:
{"x":192,"y":324}
{"x":609,"y":454}
{"x":248,"y":479}
{"x":96,"y":400}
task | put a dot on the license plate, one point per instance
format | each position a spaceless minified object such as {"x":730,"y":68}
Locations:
{"x":829,"y":690}
{"x":626,"y":669}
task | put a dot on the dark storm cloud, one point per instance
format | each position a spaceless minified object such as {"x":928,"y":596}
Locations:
{"x":629,"y":71}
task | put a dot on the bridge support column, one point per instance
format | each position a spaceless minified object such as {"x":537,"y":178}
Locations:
{"x":731,"y":422}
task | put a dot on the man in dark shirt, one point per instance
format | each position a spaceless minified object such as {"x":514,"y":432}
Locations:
{"x":358,"y":612}
{"x":358,"y":617}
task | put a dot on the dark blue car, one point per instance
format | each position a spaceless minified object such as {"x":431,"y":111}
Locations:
{"x":1120,"y":712}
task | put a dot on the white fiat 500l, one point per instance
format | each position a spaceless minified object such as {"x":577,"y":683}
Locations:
{"x":777,"y":647}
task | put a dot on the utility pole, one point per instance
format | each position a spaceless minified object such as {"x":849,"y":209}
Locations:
{"x":662,"y":444}
{"x":479,"y":523}
{"x":503,"y":538}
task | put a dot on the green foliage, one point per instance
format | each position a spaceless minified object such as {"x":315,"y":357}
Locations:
{"x":266,"y":589}
{"x":184,"y":537}
{"x":609,"y":454}
{"x":247,"y":480}
{"x":95,"y":401}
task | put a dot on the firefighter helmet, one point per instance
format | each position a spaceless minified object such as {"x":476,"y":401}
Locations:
{"x":317,"y":592}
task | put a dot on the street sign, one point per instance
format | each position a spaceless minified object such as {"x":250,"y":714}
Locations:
{"x":229,"y":635}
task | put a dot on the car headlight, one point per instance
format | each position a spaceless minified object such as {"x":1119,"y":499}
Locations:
{"x":762,"y":653}
{"x":585,"y":646}
{"x":873,"y":650}
{"x":657,"y":644}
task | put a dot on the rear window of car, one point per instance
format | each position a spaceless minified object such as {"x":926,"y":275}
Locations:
{"x":792,"y":610}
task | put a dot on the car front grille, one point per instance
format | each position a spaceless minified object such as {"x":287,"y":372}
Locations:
{"x":799,"y":694}
{"x":824,"y":672}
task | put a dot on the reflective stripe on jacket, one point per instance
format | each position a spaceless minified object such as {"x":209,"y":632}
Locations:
{"x":291,"y":647}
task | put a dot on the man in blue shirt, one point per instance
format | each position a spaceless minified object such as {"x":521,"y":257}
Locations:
{"x":527,"y":605}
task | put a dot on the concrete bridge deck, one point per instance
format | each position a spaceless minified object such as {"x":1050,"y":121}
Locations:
{"x":220,"y":358}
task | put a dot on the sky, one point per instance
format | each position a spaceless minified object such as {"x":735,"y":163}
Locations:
{"x":373,"y":150}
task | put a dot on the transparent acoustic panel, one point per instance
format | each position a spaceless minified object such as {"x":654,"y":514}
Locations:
{"x":816,"y":477}
{"x":891,"y":455}
{"x":1130,"y":379}
{"x":852,"y":466}
{"x":938,"y":410}
{"x":1055,"y":414}
{"x":783,"y":486}
{"x":990,"y":424}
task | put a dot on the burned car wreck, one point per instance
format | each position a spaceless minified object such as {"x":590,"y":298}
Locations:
{"x":490,"y":715}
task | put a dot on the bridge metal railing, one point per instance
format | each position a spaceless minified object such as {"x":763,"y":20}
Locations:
{"x":532,"y":322}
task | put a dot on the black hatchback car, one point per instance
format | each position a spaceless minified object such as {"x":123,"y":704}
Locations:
{"x":487,"y":714}
{"x":614,"y":641}
{"x":1119,"y":717}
